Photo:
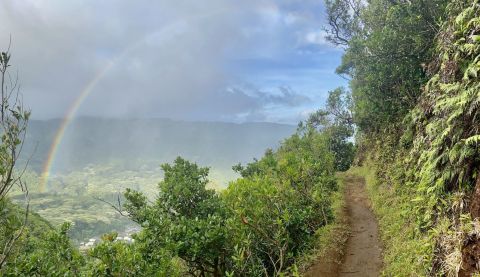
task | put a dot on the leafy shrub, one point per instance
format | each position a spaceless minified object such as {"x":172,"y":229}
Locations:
{"x":280,"y":202}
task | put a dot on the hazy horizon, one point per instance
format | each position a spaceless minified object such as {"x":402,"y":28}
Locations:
{"x":80,"y":117}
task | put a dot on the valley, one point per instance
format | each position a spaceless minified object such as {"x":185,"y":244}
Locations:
{"x":84,"y":175}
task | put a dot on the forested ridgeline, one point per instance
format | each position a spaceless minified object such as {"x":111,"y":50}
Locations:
{"x":413,"y":68}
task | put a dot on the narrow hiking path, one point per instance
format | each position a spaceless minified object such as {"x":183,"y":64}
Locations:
{"x":362,"y":255}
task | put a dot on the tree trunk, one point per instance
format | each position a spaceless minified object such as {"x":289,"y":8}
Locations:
{"x":216,"y":270}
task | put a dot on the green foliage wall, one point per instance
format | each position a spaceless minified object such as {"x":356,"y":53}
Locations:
{"x":445,"y":123}
{"x":416,"y":92}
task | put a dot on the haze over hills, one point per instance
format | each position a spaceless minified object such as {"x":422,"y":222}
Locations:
{"x":90,"y":140}
{"x":102,"y":157}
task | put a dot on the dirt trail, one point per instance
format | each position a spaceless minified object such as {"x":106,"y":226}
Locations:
{"x":362,"y":255}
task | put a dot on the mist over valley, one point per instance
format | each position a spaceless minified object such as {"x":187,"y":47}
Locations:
{"x":98,"y":158}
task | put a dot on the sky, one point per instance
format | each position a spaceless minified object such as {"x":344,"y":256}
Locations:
{"x":211,"y":60}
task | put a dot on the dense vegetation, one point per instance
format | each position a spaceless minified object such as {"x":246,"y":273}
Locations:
{"x":413,"y":107}
{"x":414,"y":81}
{"x":259,"y":225}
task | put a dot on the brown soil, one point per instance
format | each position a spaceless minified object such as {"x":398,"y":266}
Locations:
{"x":363,"y":252}
{"x":470,"y":257}
{"x":471,"y":245}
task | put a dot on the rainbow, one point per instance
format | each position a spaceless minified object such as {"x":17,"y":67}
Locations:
{"x":87,"y":90}
{"x":174,"y":28}
{"x":66,"y":121}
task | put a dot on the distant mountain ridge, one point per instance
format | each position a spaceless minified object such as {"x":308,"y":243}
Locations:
{"x":92,"y":140}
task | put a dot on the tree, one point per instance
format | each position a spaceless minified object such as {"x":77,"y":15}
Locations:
{"x":336,"y":121}
{"x":13,"y":125}
{"x":50,"y":254}
{"x":118,"y":258}
{"x":387,"y":44}
{"x":258,"y":167}
{"x":186,"y":219}
{"x":343,"y":17}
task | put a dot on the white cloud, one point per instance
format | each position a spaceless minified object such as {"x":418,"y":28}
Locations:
{"x":178,"y":54}
{"x":316,"y":37}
